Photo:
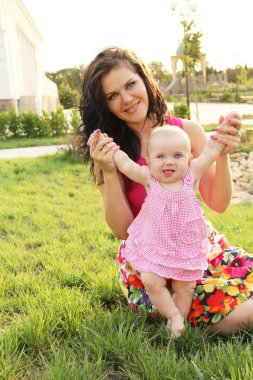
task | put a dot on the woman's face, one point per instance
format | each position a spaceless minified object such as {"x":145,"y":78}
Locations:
{"x":126,"y":95}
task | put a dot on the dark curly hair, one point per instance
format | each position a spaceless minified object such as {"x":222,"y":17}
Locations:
{"x":95,"y":113}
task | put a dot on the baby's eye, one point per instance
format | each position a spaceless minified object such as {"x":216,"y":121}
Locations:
{"x":177,"y":155}
{"x":112,"y":96}
{"x":160,"y":156}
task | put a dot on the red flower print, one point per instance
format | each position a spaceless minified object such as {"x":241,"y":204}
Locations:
{"x":219,"y":302}
{"x":120,"y":256}
{"x":217,"y":260}
{"x":152,"y":313}
{"x":223,"y":243}
{"x":133,"y":307}
{"x":135,"y":281}
{"x":196,"y":311}
{"x":235,"y":303}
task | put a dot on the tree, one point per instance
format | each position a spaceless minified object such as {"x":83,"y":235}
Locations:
{"x":191,"y":51}
{"x":69,"y":84}
{"x":162,"y":76}
{"x":242,"y":77}
{"x":68,"y":97}
{"x":191,"y":44}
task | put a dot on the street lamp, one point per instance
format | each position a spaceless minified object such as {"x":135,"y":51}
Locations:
{"x":184,"y":9}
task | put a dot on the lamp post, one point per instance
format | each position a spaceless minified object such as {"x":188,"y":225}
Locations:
{"x":184,"y":9}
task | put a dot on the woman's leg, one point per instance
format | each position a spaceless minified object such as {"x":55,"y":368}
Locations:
{"x":161,"y":298}
{"x":239,"y":319}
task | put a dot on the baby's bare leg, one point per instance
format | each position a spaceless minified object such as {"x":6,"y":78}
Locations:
{"x":161,"y":298}
{"x":159,"y":294}
{"x":183,"y":292}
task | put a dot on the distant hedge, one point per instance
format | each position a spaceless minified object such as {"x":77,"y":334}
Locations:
{"x":30,"y":124}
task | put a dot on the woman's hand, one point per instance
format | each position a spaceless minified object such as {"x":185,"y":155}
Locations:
{"x":228,"y":132}
{"x":102,"y":149}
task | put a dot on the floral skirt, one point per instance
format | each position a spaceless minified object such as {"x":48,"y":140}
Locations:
{"x":227,"y":282}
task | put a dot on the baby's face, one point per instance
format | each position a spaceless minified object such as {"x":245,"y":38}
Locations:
{"x":169,"y":156}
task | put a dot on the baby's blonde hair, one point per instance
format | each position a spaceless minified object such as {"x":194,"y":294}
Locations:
{"x":170,"y":129}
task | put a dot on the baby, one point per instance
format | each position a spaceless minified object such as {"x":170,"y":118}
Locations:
{"x":168,"y":238}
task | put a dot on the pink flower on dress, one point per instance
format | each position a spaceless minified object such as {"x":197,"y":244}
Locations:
{"x":238,"y":267}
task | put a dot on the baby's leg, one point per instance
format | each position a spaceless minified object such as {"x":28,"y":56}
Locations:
{"x":183,"y":293}
{"x":161,"y":298}
{"x":159,"y":294}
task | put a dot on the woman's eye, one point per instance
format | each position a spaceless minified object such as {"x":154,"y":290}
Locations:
{"x":112,"y":96}
{"x":131,"y":84}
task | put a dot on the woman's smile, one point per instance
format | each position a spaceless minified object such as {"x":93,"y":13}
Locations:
{"x":133,"y":108}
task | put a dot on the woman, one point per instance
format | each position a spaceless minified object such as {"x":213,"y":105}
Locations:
{"x":121,"y":98}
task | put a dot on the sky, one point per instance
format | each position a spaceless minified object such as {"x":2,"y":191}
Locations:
{"x":74,"y":31}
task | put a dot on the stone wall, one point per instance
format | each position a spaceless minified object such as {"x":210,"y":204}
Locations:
{"x":242,"y":174}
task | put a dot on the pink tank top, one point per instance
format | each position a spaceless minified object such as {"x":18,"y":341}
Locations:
{"x":137,"y":192}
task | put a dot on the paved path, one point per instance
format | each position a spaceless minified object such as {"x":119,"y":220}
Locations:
{"x":31,"y":152}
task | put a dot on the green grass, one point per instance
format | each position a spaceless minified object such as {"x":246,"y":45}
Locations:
{"x":38,"y":141}
{"x":62,"y":314}
{"x":211,"y":127}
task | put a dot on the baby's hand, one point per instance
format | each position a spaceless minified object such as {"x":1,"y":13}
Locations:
{"x":228,"y":131}
{"x":102,"y":149}
{"x":95,"y":136}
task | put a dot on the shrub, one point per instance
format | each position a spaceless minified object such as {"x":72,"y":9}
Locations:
{"x":58,"y":122}
{"x":14,"y":124}
{"x":75,"y":118}
{"x":247,"y":136}
{"x":46,"y":124}
{"x":68,"y":97}
{"x":227,"y":96}
{"x":237,"y":97}
{"x":181,"y":110}
{"x":3,"y":125}
{"x":31,"y":124}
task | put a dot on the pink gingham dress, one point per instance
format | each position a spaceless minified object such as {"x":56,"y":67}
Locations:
{"x":169,"y":236}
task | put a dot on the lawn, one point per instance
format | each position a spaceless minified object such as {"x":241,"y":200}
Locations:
{"x":21,"y":142}
{"x":62,"y":314}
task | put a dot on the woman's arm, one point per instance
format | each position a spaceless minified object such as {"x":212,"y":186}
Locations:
{"x":118,"y":214}
{"x":216,"y":184}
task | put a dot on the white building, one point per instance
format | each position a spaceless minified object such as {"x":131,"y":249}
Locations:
{"x":23,"y":85}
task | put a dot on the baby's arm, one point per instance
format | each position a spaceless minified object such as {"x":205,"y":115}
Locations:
{"x":206,"y":158}
{"x":130,"y":168}
{"x":211,"y":151}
